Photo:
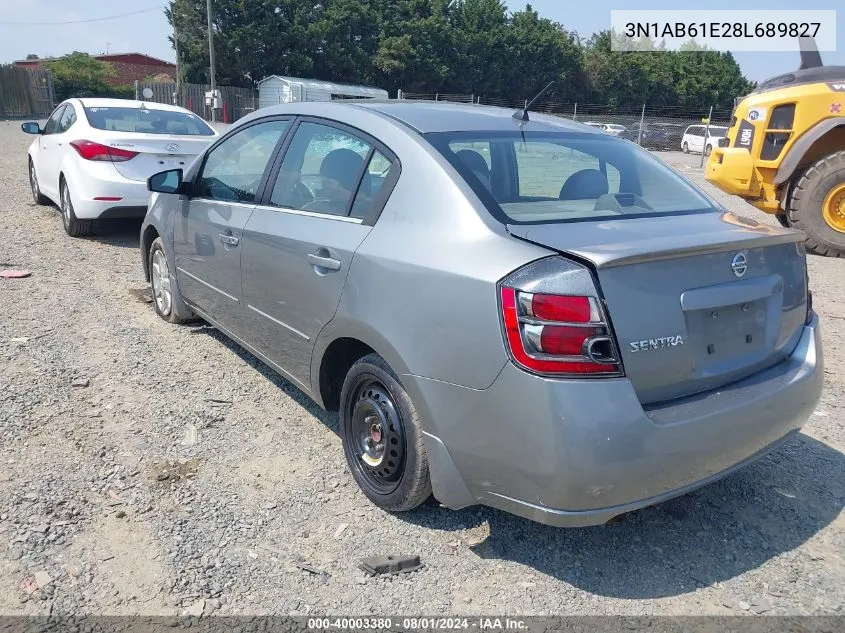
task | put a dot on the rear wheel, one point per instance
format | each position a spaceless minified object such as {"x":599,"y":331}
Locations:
{"x":707,"y":150}
{"x":73,"y":225}
{"x":382,"y":437}
{"x":817,"y":205}
{"x":37,"y":196}
{"x":685,"y":147}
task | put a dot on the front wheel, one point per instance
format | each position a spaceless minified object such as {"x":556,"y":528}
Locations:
{"x":382,"y":437}
{"x":685,"y":148}
{"x":165,"y":292}
{"x":73,"y":225}
{"x":37,"y":196}
{"x":817,"y":205}
{"x":707,"y":150}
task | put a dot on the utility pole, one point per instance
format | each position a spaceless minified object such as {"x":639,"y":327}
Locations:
{"x":211,"y":60}
{"x":177,"y":98}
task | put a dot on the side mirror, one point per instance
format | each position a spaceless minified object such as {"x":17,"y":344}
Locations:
{"x":169,"y":181}
{"x":31,"y":127}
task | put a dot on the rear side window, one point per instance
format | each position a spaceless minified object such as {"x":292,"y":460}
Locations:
{"x":233,"y":169}
{"x":67,"y":120}
{"x":379,"y":170}
{"x":52,"y":125}
{"x":565,"y":176}
{"x":147,"y":121}
{"x":321,"y":170}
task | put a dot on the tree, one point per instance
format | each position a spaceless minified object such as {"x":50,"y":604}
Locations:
{"x":32,"y":56}
{"x":541,"y":51}
{"x":446,"y":46}
{"x":691,"y":77}
{"x":80,"y":75}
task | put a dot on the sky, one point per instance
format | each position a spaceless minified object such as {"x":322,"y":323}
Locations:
{"x":147,"y":32}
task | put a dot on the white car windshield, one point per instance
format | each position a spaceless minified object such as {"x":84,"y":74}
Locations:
{"x":567,"y":176}
{"x":146,"y":121}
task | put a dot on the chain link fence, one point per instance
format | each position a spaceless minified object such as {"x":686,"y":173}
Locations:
{"x":673,"y":128}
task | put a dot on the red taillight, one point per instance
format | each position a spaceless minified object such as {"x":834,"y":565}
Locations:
{"x":89,"y":150}
{"x":560,"y":308}
{"x":558,"y":334}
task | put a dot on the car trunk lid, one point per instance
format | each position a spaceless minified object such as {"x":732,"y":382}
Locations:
{"x":155,"y":152}
{"x":696,"y":301}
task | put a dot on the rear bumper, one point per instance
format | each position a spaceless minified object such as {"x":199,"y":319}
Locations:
{"x":573,"y":453}
{"x":104,"y":181}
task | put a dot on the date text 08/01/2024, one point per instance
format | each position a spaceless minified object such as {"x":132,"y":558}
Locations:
{"x":418,"y":623}
{"x":722,"y":29}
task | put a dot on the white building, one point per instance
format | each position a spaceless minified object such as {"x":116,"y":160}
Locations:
{"x":274,"y":90}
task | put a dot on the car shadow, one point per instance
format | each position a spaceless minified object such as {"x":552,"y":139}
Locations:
{"x":707,"y":536}
{"x":290,"y":389}
{"x":711,"y":535}
{"x":122,"y":233}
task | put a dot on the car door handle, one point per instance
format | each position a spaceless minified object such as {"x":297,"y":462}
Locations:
{"x":228,"y":240}
{"x":329,"y":263}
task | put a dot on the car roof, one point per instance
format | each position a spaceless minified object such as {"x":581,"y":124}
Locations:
{"x":439,"y":116}
{"x":97,"y":102}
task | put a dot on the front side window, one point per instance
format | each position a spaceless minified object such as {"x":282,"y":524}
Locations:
{"x":321,"y":171}
{"x":233,"y":170}
{"x":147,"y":121}
{"x":568,"y":176}
{"x":52,"y":125}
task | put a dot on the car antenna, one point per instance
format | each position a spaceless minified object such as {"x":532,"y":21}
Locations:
{"x":522,"y":115}
{"x":810,"y":57}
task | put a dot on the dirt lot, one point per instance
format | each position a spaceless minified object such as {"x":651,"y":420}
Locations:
{"x":150,"y":468}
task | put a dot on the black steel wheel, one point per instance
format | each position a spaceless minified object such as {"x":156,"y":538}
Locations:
{"x":376,"y":434}
{"x":382,"y":437}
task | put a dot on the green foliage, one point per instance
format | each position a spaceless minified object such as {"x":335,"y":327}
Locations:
{"x":446,"y":46}
{"x":80,"y":75}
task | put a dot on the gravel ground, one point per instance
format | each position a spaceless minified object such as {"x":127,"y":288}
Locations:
{"x":150,"y":468}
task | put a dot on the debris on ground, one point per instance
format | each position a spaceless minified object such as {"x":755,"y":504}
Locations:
{"x":14,"y":274}
{"x":390,"y":564}
{"x":80,"y":382}
{"x":42,"y":579}
{"x":340,"y":529}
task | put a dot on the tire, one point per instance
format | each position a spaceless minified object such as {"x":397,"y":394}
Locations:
{"x":808,"y":198}
{"x":376,"y":411}
{"x":707,"y":150}
{"x":37,"y":196}
{"x":783,"y":218}
{"x":685,"y":148}
{"x":73,"y":226}
{"x":165,"y":292}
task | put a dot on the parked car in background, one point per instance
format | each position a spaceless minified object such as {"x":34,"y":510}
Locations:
{"x":539,"y":317}
{"x":700,"y":138}
{"x":597,"y":124}
{"x":655,"y":136}
{"x":614,"y":128}
{"x":93,"y":156}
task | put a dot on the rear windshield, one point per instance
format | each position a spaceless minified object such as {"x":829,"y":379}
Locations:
{"x":566,"y":177}
{"x":152,"y":121}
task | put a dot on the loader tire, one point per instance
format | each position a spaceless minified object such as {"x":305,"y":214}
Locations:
{"x":817,"y":205}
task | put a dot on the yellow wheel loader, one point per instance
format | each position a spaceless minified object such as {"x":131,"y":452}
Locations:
{"x":785,"y":151}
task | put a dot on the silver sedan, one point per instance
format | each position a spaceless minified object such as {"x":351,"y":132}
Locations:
{"x":505,"y":308}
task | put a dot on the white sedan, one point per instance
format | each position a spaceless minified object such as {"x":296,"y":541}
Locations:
{"x":93,"y":156}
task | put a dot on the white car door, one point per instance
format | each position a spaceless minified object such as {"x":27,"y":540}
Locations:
{"x":697,"y":139}
{"x":49,"y":156}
